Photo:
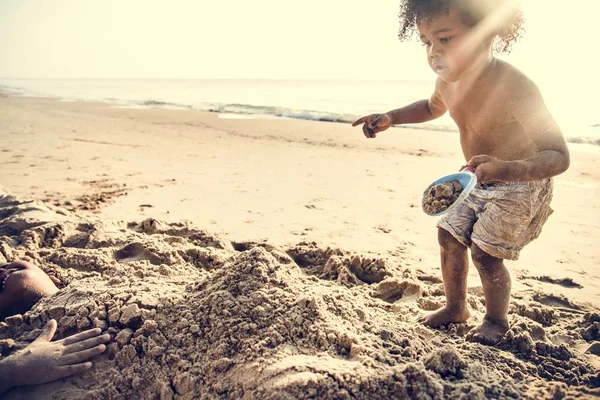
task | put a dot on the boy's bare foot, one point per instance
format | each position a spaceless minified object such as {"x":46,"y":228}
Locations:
{"x":445,"y":315}
{"x":490,"y":332}
{"x":45,"y":361}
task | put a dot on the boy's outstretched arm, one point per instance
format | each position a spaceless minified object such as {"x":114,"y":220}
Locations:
{"x":552,"y":156}
{"x":420,"y":111}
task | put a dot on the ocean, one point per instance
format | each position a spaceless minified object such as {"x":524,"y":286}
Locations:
{"x":341,"y":101}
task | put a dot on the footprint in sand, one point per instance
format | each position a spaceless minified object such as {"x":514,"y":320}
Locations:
{"x":368,"y":270}
{"x":333,"y":264}
{"x":555,"y":301}
{"x":136,"y":252}
{"x":7,"y":212}
{"x":392,"y":291}
{"x":564,"y":282}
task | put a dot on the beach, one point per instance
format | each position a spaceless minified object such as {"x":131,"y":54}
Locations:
{"x":277,"y":258}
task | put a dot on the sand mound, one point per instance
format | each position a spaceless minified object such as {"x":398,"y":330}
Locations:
{"x":194,"y":316}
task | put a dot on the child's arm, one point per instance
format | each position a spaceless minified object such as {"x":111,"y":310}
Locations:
{"x":423,"y":110}
{"x":420,"y":111}
{"x":552,"y":157}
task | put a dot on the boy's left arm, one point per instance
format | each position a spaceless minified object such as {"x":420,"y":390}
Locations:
{"x":552,"y":157}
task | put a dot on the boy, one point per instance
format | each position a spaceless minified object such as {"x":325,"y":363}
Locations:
{"x":506,"y":134}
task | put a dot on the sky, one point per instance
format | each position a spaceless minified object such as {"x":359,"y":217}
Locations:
{"x":260,"y":39}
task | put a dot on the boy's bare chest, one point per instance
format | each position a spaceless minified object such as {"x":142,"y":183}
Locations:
{"x":481,"y":111}
{"x":485,"y":122}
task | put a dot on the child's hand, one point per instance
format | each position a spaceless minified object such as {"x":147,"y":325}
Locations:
{"x":468,"y":168}
{"x":374,"y":123}
{"x":45,"y":361}
{"x":487,"y":168}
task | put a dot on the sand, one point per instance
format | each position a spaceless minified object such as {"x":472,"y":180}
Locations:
{"x":276,"y":259}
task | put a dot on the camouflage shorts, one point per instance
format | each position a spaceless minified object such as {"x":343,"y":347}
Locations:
{"x":501,"y":218}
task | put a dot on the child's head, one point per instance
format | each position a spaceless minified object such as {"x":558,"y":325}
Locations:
{"x":23,"y":284}
{"x":471,"y":12}
{"x":457,"y":34}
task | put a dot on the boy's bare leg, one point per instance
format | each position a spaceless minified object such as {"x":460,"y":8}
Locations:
{"x":455,"y":266}
{"x":495,"y":279}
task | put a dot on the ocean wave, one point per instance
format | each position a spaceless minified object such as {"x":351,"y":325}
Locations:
{"x":283,"y":112}
{"x":310,"y":115}
{"x":12,"y":89}
{"x":584,"y":140}
{"x":163,"y":104}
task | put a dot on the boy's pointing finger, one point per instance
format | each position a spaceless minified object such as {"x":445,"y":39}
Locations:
{"x":360,"y":121}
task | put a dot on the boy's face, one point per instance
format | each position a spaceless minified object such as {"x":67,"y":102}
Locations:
{"x":442,"y":37}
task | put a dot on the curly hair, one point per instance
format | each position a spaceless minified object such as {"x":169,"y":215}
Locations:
{"x":412,"y":12}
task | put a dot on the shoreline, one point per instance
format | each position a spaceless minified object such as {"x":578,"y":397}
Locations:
{"x":589,"y":143}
